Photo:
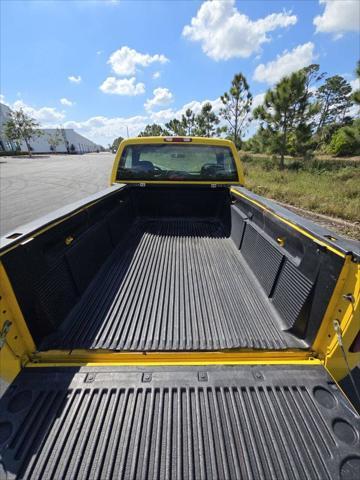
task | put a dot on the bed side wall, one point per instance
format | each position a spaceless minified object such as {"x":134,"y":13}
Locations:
{"x":297,"y":274}
{"x":50,"y":272}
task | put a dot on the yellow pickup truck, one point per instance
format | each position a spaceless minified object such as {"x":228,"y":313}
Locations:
{"x":178,"y":326}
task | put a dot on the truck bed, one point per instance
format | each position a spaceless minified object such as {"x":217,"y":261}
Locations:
{"x":174,"y":284}
{"x":181,"y":423}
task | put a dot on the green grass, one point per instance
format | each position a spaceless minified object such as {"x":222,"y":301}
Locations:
{"x":334,"y":192}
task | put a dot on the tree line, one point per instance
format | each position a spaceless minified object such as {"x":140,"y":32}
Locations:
{"x":21,"y":127}
{"x":236,"y":106}
{"x":304,"y":112}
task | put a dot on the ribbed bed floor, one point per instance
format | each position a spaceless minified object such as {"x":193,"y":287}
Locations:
{"x":291,"y":422}
{"x":173,"y":285}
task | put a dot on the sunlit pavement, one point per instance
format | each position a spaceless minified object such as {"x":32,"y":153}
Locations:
{"x":32,"y":187}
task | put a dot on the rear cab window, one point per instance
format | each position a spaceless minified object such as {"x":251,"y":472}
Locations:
{"x":177,"y":162}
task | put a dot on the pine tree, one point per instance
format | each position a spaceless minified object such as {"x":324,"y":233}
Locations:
{"x":153,"y":130}
{"x":116,"y":143}
{"x":206,"y":121}
{"x":175,"y":127}
{"x":237,"y":104}
{"x":356,"y":94}
{"x":188,"y":121}
{"x":334,"y":98}
{"x":287,"y":114}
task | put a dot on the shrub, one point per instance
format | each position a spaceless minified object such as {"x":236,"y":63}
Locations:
{"x":296,"y":165}
{"x":345,"y":174}
{"x":246,"y":158}
{"x":13,"y":153}
{"x":346,"y":141}
{"x":270,"y":163}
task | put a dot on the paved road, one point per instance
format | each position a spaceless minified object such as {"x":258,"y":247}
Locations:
{"x":32,"y":187}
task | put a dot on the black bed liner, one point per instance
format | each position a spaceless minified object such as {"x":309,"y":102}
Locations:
{"x":179,"y":423}
{"x":174,"y":285}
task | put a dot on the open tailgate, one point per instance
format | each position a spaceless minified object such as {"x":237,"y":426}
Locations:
{"x":235,"y":422}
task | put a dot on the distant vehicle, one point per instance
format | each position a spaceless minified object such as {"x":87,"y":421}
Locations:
{"x":176,"y":325}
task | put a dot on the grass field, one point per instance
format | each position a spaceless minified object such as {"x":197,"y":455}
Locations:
{"x":333,"y":191}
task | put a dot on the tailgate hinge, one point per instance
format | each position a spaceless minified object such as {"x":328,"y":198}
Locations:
{"x":3,"y":332}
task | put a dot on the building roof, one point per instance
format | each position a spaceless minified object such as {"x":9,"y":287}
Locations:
{"x":4,"y":114}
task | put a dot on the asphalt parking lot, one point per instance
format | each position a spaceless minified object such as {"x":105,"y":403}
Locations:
{"x":33,"y":187}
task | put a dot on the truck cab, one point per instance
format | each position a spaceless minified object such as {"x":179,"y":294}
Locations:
{"x":176,"y":325}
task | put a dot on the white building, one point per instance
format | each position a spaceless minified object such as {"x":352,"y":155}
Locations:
{"x":5,"y":143}
{"x":71,"y":141}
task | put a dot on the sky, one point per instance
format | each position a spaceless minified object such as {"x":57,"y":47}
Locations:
{"x":107,"y":68}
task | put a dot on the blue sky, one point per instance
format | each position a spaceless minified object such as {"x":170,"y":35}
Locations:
{"x":104,"y":66}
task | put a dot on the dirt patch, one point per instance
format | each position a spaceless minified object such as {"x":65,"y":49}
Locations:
{"x":355,"y":158}
{"x":343,"y":227}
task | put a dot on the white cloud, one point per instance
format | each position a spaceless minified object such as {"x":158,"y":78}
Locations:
{"x":338,"y":17}
{"x":122,"y":86}
{"x":226,"y":33}
{"x":103,"y":130}
{"x":46,"y":116}
{"x":196,"y":106}
{"x":355,"y":84}
{"x":66,"y":102}
{"x":162,"y":97}
{"x":258,"y":100}
{"x":286,"y":63}
{"x":156,"y":75}
{"x":75,"y":79}
{"x":163,"y":116}
{"x":125,"y":60}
